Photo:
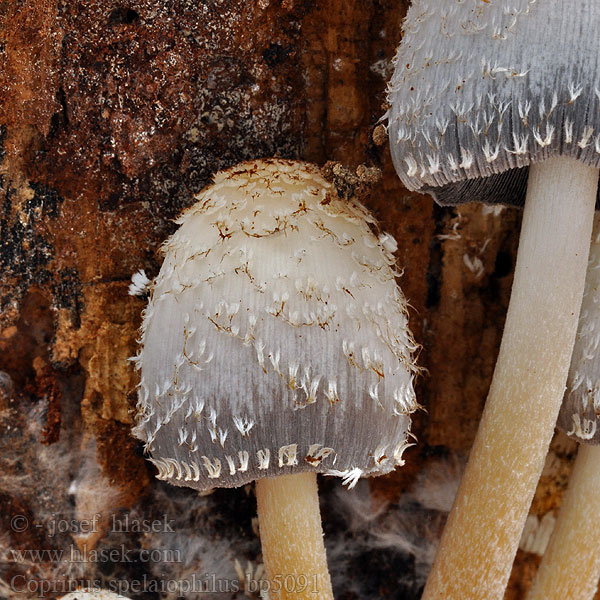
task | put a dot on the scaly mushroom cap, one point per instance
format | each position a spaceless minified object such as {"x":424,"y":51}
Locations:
{"x":483,"y":88}
{"x":276,"y":339}
{"x":580,"y":413}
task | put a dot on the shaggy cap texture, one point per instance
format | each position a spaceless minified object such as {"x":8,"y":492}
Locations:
{"x":483,"y":88}
{"x":276,"y":337}
{"x":579,"y":414}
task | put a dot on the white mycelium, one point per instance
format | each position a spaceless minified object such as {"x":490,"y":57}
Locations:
{"x":276,"y":337}
{"x":580,"y":413}
{"x":482,"y":88}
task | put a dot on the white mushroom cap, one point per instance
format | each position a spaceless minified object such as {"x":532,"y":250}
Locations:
{"x":580,"y":413}
{"x":481,"y":89}
{"x":276,"y":338}
{"x":98,"y":594}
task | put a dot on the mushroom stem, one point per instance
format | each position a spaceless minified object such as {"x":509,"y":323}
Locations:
{"x":292,"y":537}
{"x":485,"y":524}
{"x":571,"y":564}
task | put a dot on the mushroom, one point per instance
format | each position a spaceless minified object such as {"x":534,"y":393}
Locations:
{"x":93,"y":594}
{"x":497,"y":101}
{"x":275,"y":346}
{"x":579,"y":415}
{"x":571,"y":564}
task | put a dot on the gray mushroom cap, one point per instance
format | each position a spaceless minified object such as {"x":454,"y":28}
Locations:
{"x":483,"y":88}
{"x":579,"y":415}
{"x":276,"y":337}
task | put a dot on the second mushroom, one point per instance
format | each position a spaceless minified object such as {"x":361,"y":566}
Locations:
{"x":498,"y":102}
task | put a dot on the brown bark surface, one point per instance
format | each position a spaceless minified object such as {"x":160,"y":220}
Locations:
{"x":112,"y":115}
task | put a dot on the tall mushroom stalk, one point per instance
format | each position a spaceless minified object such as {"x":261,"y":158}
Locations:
{"x":276,"y":347}
{"x":571,"y":564}
{"x":483,"y":109}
